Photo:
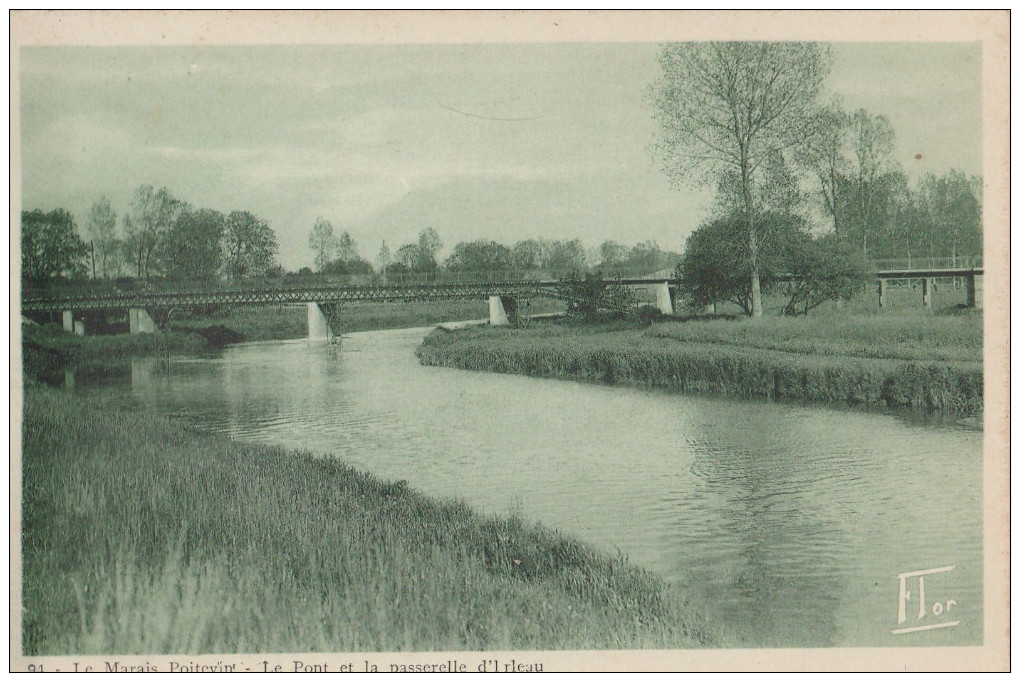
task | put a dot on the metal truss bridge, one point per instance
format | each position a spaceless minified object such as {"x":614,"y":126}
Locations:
{"x":164,"y":298}
{"x":323,"y":293}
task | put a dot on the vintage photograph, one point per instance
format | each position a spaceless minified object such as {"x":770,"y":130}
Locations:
{"x":468,"y":351}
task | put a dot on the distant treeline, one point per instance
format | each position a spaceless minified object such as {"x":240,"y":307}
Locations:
{"x":160,"y":236}
{"x":163,"y":238}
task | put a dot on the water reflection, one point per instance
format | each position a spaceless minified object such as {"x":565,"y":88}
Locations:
{"x":787,"y":525}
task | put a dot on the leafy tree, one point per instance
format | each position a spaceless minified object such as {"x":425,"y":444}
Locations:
{"x":590,"y":295}
{"x":480,"y":256}
{"x":950,"y":214}
{"x":612,"y":255}
{"x":347,"y":267}
{"x":116,"y":258}
{"x":824,"y":269}
{"x":153,"y":213}
{"x":346,"y":247}
{"x":713,"y":271}
{"x":647,"y":257}
{"x":729,"y":110}
{"x":50,"y":245}
{"x":419,"y":257}
{"x":101,"y":226}
{"x":406,"y":259}
{"x":527,"y":254}
{"x":323,"y":242}
{"x":429,"y":246}
{"x":194,"y":245}
{"x":564,"y":256}
{"x":249,"y":245}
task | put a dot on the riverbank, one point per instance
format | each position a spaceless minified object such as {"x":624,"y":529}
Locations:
{"x":141,"y":536}
{"x":931,"y":364}
{"x":46,"y":349}
{"x":274,"y":323}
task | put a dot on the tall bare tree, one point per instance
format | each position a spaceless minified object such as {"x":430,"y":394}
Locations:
{"x":323,"y":242}
{"x":872,"y":169}
{"x":735,"y":108}
{"x":826,"y":155}
{"x":384,"y":259}
{"x":101,"y":227}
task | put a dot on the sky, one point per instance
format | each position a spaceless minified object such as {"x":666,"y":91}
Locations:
{"x":501,"y":142}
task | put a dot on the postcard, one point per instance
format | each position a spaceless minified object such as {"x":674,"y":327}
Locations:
{"x":509,"y":341}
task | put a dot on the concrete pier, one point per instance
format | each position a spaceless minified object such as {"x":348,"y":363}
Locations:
{"x":974,"y":290}
{"x":497,"y":313}
{"x":318,"y":324}
{"x":140,"y":321}
{"x":664,"y":299}
{"x":68,"y":321}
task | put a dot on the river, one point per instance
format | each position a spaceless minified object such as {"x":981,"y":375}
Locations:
{"x":787,"y":525}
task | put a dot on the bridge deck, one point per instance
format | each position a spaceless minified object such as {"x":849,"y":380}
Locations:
{"x":344,"y":294}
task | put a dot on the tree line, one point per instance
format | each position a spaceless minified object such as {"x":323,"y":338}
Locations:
{"x":751,"y":119}
{"x":337,"y":254}
{"x":160,"y":236}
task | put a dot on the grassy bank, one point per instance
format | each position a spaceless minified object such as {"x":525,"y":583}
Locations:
{"x":47,"y":350}
{"x":932,"y":364}
{"x":140,"y":536}
{"x":270,"y":323}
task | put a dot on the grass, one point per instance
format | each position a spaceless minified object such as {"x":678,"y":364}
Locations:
{"x":929,"y":364}
{"x":902,"y":337}
{"x":142,"y":537}
{"x":256,"y":323}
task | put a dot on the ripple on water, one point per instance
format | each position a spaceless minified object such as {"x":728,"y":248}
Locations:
{"x":787,"y":525}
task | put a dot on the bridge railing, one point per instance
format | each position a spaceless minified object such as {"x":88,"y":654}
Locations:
{"x":909,"y":263}
{"x":60,"y":287}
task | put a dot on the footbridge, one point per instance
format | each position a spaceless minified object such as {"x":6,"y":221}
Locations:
{"x":323,"y":300}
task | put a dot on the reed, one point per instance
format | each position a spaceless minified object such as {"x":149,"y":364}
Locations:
{"x":741,"y":360}
{"x":142,"y":537}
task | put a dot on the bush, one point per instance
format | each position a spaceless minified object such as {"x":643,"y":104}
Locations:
{"x":592,"y":298}
{"x":824,"y":269}
{"x":716,"y":269}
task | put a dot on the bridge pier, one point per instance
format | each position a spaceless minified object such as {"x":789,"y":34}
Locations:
{"x":974,"y":290}
{"x":502,"y":310}
{"x":318,"y":323}
{"x":926,"y":291}
{"x":497,"y":314}
{"x":664,"y":299}
{"x":72,"y":325}
{"x":139,"y":321}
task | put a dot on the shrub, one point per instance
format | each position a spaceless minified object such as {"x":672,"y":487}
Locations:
{"x":824,"y":269}
{"x":591,"y":298}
